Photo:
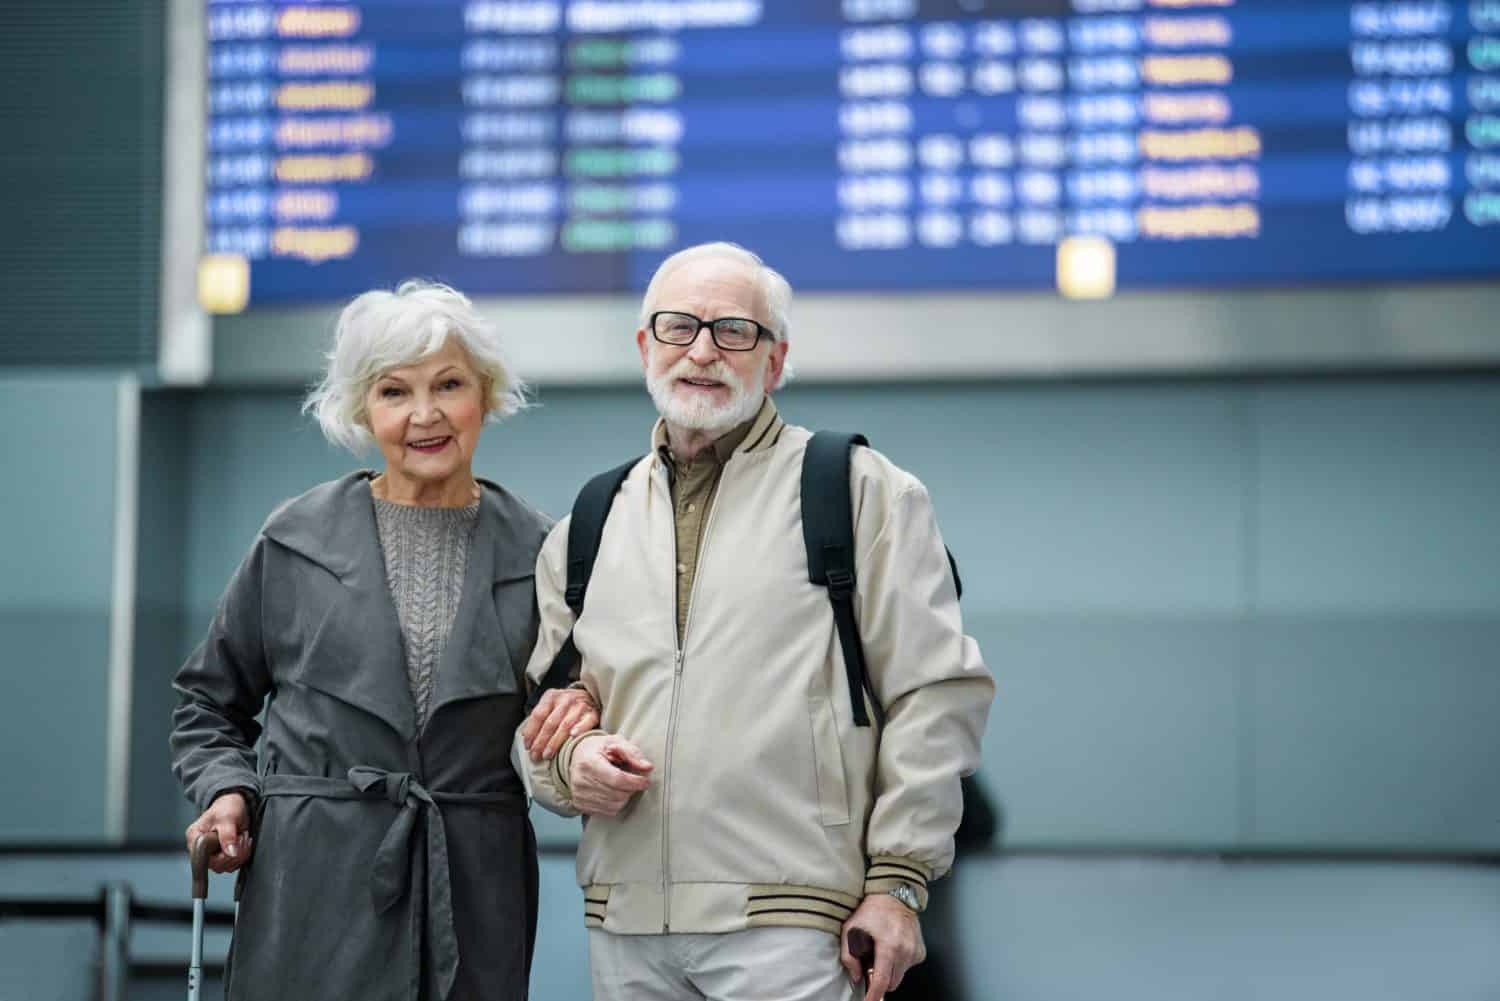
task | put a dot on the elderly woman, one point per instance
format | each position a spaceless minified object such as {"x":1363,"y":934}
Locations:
{"x":382,"y":623}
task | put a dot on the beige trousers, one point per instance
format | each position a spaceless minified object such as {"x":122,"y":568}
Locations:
{"x":757,"y":964}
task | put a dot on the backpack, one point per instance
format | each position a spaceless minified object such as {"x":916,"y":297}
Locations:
{"x":827,"y":533}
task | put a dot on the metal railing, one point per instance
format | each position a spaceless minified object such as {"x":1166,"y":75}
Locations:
{"x":115,"y":911}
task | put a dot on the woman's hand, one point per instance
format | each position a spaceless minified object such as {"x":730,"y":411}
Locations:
{"x":561,"y":713}
{"x":229,"y":816}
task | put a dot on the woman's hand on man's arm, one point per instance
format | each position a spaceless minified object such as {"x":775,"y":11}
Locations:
{"x":561,"y":713}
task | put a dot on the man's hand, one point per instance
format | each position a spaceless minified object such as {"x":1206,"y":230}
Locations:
{"x":605,"y":772}
{"x":559,"y":714}
{"x":229,"y":816}
{"x":897,"y":935}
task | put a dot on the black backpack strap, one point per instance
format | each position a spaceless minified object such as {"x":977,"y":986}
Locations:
{"x":585,"y":531}
{"x":828,"y":533}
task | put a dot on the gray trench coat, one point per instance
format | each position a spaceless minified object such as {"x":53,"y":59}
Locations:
{"x":389,"y":865}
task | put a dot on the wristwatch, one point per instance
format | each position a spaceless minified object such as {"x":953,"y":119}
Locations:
{"x":906,"y":895}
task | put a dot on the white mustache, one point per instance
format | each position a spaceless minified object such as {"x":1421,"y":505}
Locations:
{"x":718,"y":372}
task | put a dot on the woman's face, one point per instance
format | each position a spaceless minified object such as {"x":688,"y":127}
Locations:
{"x":426,"y":417}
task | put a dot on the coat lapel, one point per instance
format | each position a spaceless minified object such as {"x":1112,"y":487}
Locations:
{"x":357,"y":654}
{"x":476,"y":660}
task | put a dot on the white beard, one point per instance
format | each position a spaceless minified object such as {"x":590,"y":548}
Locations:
{"x":701,"y":414}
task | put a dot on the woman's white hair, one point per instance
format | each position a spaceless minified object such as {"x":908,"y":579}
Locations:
{"x":382,"y":330}
{"x":775,"y":290}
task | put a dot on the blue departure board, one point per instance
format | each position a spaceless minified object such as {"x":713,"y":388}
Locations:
{"x":543,"y":146}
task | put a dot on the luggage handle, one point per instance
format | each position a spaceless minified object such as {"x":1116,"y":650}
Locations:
{"x":205,"y":846}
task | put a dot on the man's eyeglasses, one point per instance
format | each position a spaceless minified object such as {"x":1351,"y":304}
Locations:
{"x":730,"y":333}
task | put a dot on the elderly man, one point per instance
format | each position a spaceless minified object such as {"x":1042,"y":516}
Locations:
{"x":739,"y":825}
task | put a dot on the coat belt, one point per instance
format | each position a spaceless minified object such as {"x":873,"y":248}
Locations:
{"x":390,"y":875}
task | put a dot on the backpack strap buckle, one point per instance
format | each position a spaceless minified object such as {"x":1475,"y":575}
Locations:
{"x":840,"y":583}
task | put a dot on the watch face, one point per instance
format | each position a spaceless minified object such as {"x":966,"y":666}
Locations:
{"x":906,"y":895}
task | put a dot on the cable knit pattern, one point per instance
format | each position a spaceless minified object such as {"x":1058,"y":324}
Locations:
{"x":426,"y":551}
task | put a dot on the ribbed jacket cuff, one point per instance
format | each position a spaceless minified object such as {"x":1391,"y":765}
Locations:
{"x":562,"y":765}
{"x":887,"y":871}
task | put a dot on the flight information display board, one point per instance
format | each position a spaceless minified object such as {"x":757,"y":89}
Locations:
{"x":533,"y":146}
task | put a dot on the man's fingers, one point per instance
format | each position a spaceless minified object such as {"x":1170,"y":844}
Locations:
{"x":879,"y":981}
{"x":611,"y":777}
{"x":601,"y":805}
{"x":898,"y":974}
{"x":601,"y":784}
{"x":627,"y":756}
{"x":627,"y":782}
{"x":605,"y":789}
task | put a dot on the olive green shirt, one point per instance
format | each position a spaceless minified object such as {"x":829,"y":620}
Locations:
{"x":694,"y":485}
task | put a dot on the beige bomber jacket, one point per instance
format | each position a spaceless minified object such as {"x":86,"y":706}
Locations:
{"x":767,"y":805}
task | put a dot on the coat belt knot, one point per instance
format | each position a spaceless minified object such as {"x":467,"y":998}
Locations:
{"x":390,"y":875}
{"x":396,"y":784}
{"x":391,"y":870}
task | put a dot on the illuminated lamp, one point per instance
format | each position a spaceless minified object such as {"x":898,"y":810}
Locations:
{"x":224,"y":283}
{"x":1086,"y":267}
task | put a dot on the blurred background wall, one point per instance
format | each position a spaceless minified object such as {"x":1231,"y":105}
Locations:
{"x":1245,"y":625}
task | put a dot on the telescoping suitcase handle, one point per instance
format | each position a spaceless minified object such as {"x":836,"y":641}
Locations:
{"x":205,"y":847}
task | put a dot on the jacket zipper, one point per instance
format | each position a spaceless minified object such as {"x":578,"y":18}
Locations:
{"x":680,"y":647}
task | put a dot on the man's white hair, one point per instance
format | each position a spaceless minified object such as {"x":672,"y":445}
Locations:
{"x":380,"y":330}
{"x":775,"y":290}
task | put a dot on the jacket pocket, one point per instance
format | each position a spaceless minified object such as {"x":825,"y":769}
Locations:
{"x":828,"y":763}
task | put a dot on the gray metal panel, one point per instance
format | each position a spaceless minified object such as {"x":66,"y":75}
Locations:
{"x":1378,"y":730}
{"x":560,"y":969}
{"x":80,"y":182}
{"x":58,"y":489}
{"x":58,"y":496}
{"x":1113,"y":499}
{"x":1113,"y":731}
{"x":52,"y":723}
{"x":52,"y":960}
{"x":1379,"y":496}
{"x":1135,"y":929}
{"x":1377,"y":597}
{"x":166,"y":497}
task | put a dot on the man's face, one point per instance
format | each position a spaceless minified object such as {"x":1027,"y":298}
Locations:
{"x":700,"y":386}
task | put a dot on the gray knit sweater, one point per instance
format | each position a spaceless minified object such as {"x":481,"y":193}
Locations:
{"x":426,"y":550}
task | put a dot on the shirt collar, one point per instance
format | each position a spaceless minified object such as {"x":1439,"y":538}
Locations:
{"x":752,"y":436}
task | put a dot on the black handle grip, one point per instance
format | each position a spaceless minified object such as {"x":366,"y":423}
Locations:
{"x":862,"y":947}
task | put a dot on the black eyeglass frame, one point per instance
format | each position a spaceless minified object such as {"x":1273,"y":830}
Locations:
{"x":761,"y":330}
